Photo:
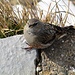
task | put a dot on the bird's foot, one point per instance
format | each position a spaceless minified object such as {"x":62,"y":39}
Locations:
{"x":28,"y":48}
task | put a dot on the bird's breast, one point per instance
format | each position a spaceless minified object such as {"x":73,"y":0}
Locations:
{"x":30,"y":37}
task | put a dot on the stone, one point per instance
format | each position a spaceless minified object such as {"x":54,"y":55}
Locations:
{"x":59,"y":58}
{"x":14,"y":58}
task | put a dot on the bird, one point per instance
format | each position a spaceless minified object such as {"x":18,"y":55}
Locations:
{"x":38,"y":34}
{"x":41,"y":35}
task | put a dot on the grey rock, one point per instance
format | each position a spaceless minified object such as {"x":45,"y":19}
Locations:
{"x":14,"y":59}
{"x":62,"y":51}
{"x":59,"y":58}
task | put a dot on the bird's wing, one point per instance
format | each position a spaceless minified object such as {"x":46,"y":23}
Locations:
{"x":46,"y":34}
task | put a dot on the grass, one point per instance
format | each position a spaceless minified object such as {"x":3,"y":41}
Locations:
{"x":11,"y":25}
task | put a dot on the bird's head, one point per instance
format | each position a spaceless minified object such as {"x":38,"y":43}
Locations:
{"x":34,"y":25}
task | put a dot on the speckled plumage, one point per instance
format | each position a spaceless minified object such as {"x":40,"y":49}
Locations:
{"x":41,"y":35}
{"x":38,"y":34}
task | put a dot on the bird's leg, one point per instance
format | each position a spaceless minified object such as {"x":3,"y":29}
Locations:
{"x":29,"y":47}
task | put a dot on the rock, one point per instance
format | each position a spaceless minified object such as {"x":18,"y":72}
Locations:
{"x":62,"y":51}
{"x":14,"y":59}
{"x":59,"y":58}
{"x":71,"y":72}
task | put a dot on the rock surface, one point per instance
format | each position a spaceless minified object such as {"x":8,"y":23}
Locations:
{"x":14,"y":59}
{"x":59,"y":58}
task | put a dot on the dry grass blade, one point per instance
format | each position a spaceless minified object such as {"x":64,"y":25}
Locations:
{"x":66,"y":15}
{"x":12,"y":22}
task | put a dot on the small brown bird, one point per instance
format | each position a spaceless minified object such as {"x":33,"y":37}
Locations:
{"x":41,"y":35}
{"x":38,"y":34}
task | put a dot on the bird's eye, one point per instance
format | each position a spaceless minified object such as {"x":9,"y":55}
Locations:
{"x":32,"y":25}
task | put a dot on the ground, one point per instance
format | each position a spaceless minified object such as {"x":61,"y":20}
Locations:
{"x":59,"y":58}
